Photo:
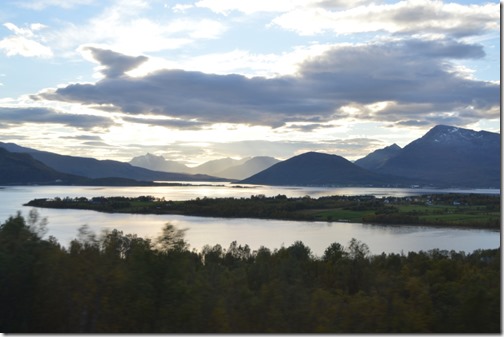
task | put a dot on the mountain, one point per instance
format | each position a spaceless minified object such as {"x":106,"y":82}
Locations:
{"x":313,"y":168}
{"x":21,"y":169}
{"x":93,"y":168}
{"x":248,"y":168}
{"x":376,"y":159}
{"x":159,"y":163}
{"x":213,"y":167}
{"x":227,"y":168}
{"x":449,"y":156}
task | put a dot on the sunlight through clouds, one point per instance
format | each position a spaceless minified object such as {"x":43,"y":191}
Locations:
{"x":341,"y":76}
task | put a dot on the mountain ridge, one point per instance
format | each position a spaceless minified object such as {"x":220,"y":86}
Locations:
{"x":450,"y":156}
{"x":315,"y":168}
{"x":94,"y":168}
{"x":377,"y":158}
{"x":227,"y":168}
{"x":445,"y":156}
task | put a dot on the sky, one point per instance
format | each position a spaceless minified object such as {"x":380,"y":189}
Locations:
{"x":207,"y":79}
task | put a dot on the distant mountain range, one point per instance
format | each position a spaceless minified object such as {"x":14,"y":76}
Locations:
{"x":445,"y":156}
{"x":225,"y":168}
{"x":93,"y":168}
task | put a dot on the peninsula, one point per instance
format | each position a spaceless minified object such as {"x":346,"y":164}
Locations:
{"x":451,"y":210}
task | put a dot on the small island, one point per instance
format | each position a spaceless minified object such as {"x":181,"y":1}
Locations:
{"x":447,"y":210}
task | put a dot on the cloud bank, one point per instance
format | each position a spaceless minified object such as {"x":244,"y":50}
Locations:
{"x":405,"y":17}
{"x":18,"y":116}
{"x":404,"y":81}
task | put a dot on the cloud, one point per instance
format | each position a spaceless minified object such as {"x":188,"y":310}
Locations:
{"x":134,"y":27}
{"x":181,"y":8}
{"x":414,"y":76}
{"x":23,"y":42}
{"x":97,"y":144}
{"x":42,"y":4}
{"x":170,"y":123}
{"x":225,"y":7}
{"x":115,"y":64}
{"x":409,"y":16}
{"x":16,"y":116}
{"x":83,"y":137}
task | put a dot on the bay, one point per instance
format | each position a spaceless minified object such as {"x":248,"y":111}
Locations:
{"x":273,"y":234}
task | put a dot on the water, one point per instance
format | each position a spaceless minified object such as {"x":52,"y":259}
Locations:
{"x":63,"y":224}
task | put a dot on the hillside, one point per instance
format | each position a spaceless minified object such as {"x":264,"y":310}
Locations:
{"x":315,"y":168}
{"x":378,"y":158}
{"x":159,"y":163}
{"x":248,"y":168}
{"x":445,"y":156}
{"x":226,"y":168}
{"x":213,"y":167}
{"x":449,"y":156}
{"x":94,"y":168}
{"x":21,"y":169}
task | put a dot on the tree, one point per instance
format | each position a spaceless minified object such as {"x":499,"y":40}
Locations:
{"x":357,"y":249}
{"x":334,"y":253}
{"x":171,"y":238}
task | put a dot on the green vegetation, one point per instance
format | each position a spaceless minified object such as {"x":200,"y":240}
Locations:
{"x":122,"y":283}
{"x":468,"y":210}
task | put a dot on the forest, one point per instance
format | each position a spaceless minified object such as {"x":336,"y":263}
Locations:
{"x":114,"y":282}
{"x":449,"y":209}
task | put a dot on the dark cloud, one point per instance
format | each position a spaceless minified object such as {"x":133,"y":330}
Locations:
{"x":309,"y":127}
{"x":444,"y":49}
{"x":115,"y":64}
{"x":83,"y":137}
{"x":427,"y":17}
{"x":415,"y":74}
{"x":412,"y":122}
{"x":97,"y":144}
{"x":11,"y":116}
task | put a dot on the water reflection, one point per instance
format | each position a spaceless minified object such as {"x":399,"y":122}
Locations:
{"x":63,"y":224}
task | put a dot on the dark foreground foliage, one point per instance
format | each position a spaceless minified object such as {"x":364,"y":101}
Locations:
{"x":122,"y":283}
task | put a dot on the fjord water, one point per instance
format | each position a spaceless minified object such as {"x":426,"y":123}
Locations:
{"x":63,"y":224}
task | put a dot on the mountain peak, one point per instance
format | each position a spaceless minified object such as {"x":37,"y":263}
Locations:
{"x":449,"y":156}
{"x":393,"y":147}
{"x":451,"y":135}
{"x":316,"y":168}
{"x":377,"y":158}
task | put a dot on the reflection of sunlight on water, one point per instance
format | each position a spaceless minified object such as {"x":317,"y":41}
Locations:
{"x":272,"y":233}
{"x":63,"y":224}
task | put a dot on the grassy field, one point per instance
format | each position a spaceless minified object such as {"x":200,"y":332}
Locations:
{"x":472,"y":215}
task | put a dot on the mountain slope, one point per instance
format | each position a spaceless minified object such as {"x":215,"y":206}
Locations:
{"x":450,"y":156}
{"x":376,"y":159}
{"x":248,"y":168}
{"x":21,"y":168}
{"x":213,"y":167}
{"x":313,"y":168}
{"x":158,"y":163}
{"x":227,"y":168}
{"x":93,"y":168}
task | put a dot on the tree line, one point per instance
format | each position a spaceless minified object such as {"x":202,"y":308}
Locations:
{"x":469,"y":210}
{"x":121,"y":283}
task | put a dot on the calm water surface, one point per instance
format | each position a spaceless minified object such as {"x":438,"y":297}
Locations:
{"x":63,"y":224}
